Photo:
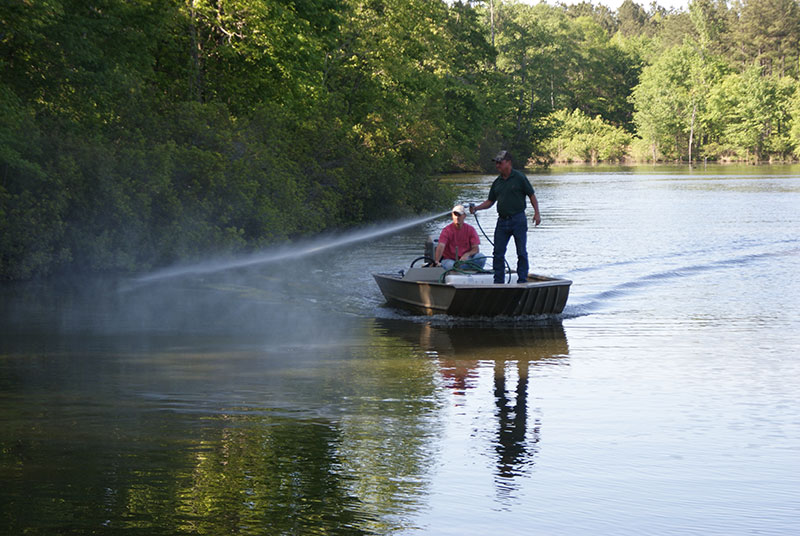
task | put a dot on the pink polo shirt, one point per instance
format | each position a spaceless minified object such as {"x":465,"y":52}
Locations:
{"x":464,"y":238}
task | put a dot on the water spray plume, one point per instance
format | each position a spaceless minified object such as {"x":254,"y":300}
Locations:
{"x":285,"y":252}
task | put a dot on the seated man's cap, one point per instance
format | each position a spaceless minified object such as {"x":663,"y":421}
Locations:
{"x":459,"y":209}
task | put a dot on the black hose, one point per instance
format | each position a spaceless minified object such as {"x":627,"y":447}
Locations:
{"x":464,"y":267}
{"x":481,"y":228}
{"x":428,"y":261}
{"x":492,"y":243}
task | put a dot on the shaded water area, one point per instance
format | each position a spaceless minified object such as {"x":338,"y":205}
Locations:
{"x":285,"y":397}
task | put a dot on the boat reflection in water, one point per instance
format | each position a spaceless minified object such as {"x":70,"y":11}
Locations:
{"x":466,"y":355}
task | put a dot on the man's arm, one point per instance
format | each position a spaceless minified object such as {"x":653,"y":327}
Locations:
{"x":486,"y":204}
{"x":437,"y":256}
{"x":470,"y":253}
{"x":537,"y":218}
{"x":474,"y":243}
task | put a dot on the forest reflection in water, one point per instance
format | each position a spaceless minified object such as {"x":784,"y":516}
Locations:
{"x":110,"y":424}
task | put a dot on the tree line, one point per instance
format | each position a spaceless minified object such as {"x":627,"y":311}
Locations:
{"x":137,"y":133}
{"x":717,"y":81}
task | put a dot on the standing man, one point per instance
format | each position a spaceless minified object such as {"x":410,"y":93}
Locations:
{"x":458,"y":242}
{"x":509,"y":189}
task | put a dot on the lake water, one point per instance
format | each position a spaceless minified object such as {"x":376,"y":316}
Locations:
{"x":287,"y":398}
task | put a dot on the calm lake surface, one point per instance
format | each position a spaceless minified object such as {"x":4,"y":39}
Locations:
{"x":287,"y":398}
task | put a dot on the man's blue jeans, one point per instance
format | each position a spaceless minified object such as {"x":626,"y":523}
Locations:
{"x":476,"y":261}
{"x":516,"y":226}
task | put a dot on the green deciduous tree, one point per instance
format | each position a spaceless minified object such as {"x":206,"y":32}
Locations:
{"x":554,"y":60}
{"x":578,"y":137}
{"x":710,"y":21}
{"x":604,"y":74}
{"x":670,"y":100}
{"x":748,"y":114}
{"x":794,"y":122}
{"x":249,"y":51}
{"x":32,"y":202}
{"x":633,"y":19}
{"x":600,"y":13}
{"x":526,"y":56}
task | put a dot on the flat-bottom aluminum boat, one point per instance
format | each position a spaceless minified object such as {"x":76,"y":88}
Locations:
{"x":430,"y":290}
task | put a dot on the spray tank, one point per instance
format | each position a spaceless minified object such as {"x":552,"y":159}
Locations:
{"x":430,"y":247}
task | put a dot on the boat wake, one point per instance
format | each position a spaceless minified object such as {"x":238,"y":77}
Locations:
{"x":679,"y":255}
{"x":583,"y":305}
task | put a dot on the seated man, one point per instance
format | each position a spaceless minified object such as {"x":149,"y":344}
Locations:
{"x":459,"y":242}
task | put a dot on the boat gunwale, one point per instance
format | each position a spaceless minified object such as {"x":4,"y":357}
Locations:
{"x":545,"y":282}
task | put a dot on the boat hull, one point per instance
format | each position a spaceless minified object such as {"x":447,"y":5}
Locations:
{"x":539,"y":296}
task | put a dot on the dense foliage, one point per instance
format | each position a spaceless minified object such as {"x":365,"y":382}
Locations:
{"x":136,"y":133}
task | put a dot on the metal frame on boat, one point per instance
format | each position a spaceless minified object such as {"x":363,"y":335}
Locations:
{"x":430,"y":290}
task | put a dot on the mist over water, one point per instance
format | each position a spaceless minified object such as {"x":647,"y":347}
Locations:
{"x":277,"y":296}
{"x":292,"y":252}
{"x":277,"y":393}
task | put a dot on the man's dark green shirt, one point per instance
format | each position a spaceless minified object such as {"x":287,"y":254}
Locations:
{"x":510,"y":193}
